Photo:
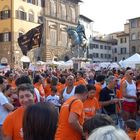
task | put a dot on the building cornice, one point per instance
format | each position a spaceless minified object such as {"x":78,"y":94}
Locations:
{"x":75,"y":1}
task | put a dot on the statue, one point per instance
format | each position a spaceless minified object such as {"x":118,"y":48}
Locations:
{"x":80,"y":29}
{"x":77,"y":36}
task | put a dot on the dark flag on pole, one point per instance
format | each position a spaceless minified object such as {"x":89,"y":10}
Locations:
{"x":31,"y":39}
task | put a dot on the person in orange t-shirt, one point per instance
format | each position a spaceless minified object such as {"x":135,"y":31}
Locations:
{"x":12,"y":126}
{"x":38,"y":84}
{"x":91,"y":104}
{"x":71,"y":116}
{"x":138,"y":93}
{"x":11,"y":80}
{"x":61,"y":85}
{"x":47,"y":89}
{"x":138,"y":135}
{"x":98,"y":85}
{"x":130,"y":128}
{"x":80,"y":79}
{"x":121,"y":83}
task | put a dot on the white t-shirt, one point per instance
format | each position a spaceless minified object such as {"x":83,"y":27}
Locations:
{"x":3,"y":111}
{"x":37,"y":94}
{"x":66,"y":95}
{"x":53,"y":99}
{"x":131,"y":91}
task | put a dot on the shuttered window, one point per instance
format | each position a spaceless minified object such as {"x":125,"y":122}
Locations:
{"x":21,"y":15}
{"x":5,"y":37}
{"x":5,"y":14}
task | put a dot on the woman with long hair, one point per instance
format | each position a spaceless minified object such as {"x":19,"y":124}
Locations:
{"x":40,"y":122}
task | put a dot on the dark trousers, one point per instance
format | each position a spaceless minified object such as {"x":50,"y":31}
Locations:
{"x":0,"y":132}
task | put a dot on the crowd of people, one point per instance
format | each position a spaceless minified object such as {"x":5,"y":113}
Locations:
{"x":70,"y":105}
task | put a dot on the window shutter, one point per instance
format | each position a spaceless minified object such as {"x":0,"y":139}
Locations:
{"x":25,"y":16}
{"x":9,"y":36}
{"x":2,"y":14}
{"x":1,"y":37}
{"x":9,"y":13}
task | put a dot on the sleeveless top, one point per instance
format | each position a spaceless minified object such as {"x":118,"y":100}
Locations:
{"x":66,"y":95}
{"x":130,"y":90}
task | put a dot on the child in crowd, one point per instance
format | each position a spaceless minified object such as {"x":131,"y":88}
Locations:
{"x":130,"y":128}
{"x":53,"y":98}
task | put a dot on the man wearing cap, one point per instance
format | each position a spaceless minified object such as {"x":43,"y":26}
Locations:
{"x":108,"y":98}
{"x":72,"y":116}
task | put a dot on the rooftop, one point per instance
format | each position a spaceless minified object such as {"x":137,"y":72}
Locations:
{"x":101,"y":40}
{"x":134,"y":18}
{"x":122,"y":34}
{"x":86,"y":18}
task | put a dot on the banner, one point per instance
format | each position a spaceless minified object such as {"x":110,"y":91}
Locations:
{"x":31,"y":39}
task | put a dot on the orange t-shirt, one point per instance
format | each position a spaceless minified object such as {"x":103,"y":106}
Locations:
{"x":12,"y":125}
{"x":138,"y":85}
{"x":12,"y":83}
{"x":98,"y":87}
{"x":47,"y":90}
{"x":119,"y":96}
{"x":138,"y":135}
{"x":60,"y":87}
{"x":81,"y":81}
{"x":40,"y":89}
{"x":121,"y":92}
{"x":90,"y":107}
{"x":64,"y":130}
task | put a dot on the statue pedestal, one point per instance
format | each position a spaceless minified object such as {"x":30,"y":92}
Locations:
{"x":79,"y":62}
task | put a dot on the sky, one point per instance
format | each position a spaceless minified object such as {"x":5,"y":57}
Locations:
{"x":110,"y":15}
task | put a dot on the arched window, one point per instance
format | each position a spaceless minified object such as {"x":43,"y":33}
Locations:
{"x":20,"y":14}
{"x":53,"y":8}
{"x":72,"y":14}
{"x":5,"y":13}
{"x":5,"y":36}
{"x":31,"y":16}
{"x":63,"y":11}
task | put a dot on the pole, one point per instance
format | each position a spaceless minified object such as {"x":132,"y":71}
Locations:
{"x":12,"y":36}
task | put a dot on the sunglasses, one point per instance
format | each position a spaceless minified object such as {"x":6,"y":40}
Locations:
{"x":69,"y":79}
{"x":131,"y":73}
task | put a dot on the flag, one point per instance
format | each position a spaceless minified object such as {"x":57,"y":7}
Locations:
{"x":31,"y":39}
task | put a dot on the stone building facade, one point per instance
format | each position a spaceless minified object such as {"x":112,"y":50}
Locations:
{"x":18,"y":17}
{"x":134,"y":41}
